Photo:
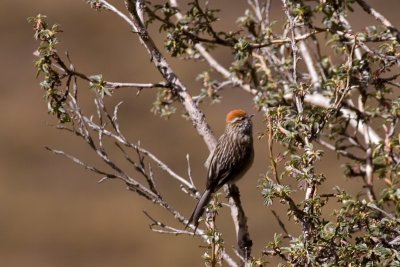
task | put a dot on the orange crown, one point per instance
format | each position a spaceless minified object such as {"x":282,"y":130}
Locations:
{"x":234,"y":114}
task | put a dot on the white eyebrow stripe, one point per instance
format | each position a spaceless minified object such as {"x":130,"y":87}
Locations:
{"x":237,"y":119}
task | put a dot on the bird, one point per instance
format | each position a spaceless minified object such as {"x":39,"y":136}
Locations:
{"x":229,"y":161}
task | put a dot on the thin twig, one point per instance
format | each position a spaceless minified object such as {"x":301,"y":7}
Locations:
{"x":81,"y":163}
{"x":189,"y":170}
{"x":286,"y":40}
{"x":71,"y":72}
{"x":123,"y":141}
{"x":165,"y":229}
{"x":341,"y":152}
{"x":270,"y":150}
{"x":281,"y":224}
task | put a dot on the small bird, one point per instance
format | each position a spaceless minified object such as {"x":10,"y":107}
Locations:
{"x":230,"y":159}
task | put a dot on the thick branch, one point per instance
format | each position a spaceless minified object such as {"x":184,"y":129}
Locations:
{"x":135,"y":8}
{"x":244,"y":241}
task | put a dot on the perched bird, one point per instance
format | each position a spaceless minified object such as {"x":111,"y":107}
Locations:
{"x":229,"y":161}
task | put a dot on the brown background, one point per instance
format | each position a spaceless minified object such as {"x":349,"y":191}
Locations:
{"x":53,"y":213}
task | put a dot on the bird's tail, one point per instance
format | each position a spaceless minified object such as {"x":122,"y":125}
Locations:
{"x":199,"y":210}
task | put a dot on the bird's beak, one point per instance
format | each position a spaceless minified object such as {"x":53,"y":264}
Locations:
{"x":251,"y":116}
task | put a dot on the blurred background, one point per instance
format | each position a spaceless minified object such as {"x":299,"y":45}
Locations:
{"x":54,"y":213}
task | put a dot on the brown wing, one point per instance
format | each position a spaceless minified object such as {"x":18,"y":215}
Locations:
{"x":226,"y":163}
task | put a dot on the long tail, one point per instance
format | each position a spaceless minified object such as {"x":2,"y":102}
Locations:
{"x":199,"y":210}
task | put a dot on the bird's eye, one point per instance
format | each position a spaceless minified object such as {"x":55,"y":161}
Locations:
{"x":237,"y":120}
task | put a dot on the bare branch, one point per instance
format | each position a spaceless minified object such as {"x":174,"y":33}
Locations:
{"x":378,"y":16}
{"x":341,"y":152}
{"x":306,"y":56}
{"x":189,"y":171}
{"x":165,"y":229}
{"x":140,"y":86}
{"x":240,"y":221}
{"x":123,"y":141}
{"x":281,"y":224}
{"x":271,"y":153}
{"x":71,"y":72}
{"x":83,"y":164}
{"x":135,"y":9}
{"x":369,"y":167}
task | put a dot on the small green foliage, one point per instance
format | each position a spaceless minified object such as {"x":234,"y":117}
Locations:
{"x":210,"y":87}
{"x":99,"y":85}
{"x":362,"y":231}
{"x":55,"y":96}
{"x":242,"y":50}
{"x":302,"y":12}
{"x":95,"y":4}
{"x":54,"y":70}
{"x":181,"y":36}
{"x":215,"y":247}
{"x":248,"y":22}
{"x":271,"y":191}
{"x":163,"y":106}
{"x":214,"y":238}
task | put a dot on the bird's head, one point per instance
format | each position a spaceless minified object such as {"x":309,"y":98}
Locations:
{"x":239,"y":120}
